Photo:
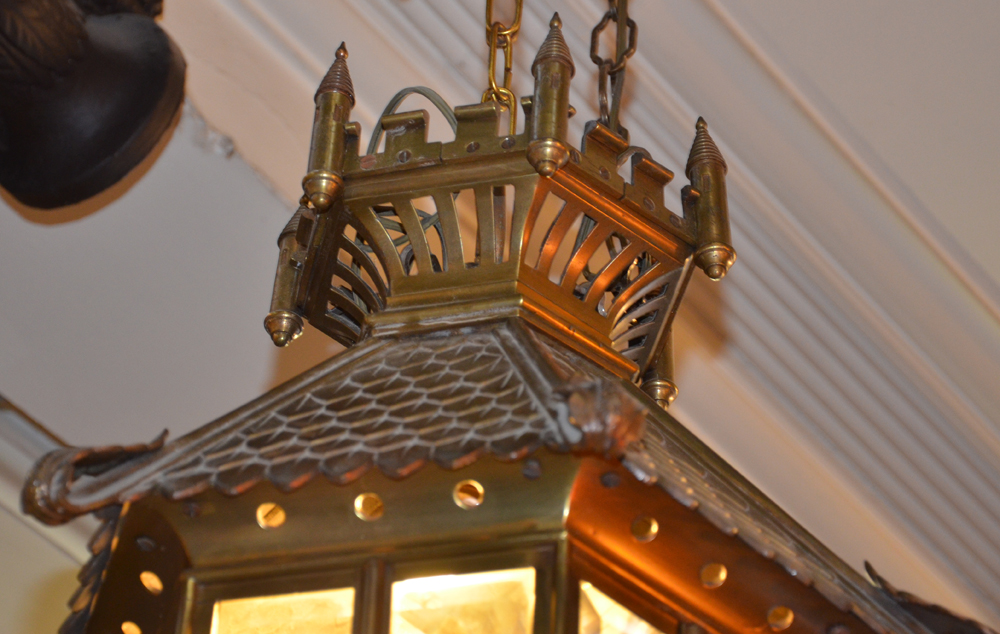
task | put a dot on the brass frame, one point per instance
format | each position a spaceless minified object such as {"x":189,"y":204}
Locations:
{"x":572,"y":523}
{"x":343,"y":271}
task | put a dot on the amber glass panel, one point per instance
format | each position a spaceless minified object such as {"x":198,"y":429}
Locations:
{"x":496,"y":602}
{"x":600,"y":614}
{"x":323,"y":612}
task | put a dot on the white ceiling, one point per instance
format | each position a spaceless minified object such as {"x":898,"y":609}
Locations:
{"x":847,"y":365}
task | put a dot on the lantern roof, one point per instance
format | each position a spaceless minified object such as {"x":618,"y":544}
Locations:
{"x":448,"y":397}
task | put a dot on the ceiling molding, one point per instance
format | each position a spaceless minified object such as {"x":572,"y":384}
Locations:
{"x":937,"y":239}
{"x":22,"y":442}
{"x":836,"y":308}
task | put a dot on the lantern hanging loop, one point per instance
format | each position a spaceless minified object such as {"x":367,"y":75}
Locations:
{"x":398,"y":98}
{"x":613,"y":70}
{"x":500,"y":36}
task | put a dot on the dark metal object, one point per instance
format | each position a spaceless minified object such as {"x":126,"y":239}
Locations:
{"x":937,"y":619}
{"x":613,"y":70}
{"x":84,"y":97}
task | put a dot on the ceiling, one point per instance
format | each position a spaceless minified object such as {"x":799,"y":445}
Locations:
{"x":847,"y":365}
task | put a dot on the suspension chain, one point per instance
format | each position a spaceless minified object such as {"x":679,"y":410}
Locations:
{"x":500,"y":36}
{"x":613,"y":71}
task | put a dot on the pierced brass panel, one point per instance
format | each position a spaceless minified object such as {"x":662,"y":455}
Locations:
{"x":445,"y":235}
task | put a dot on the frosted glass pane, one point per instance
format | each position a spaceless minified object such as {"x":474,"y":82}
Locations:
{"x":323,"y":612}
{"x":496,"y":602}
{"x":600,"y":614}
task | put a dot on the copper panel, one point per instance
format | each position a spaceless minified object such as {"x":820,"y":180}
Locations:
{"x":662,"y":575}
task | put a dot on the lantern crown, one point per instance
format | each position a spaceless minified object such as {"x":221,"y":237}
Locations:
{"x":419,"y":234}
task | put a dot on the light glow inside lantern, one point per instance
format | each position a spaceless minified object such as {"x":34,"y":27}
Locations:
{"x":494,"y":602}
{"x":600,"y":614}
{"x":323,"y":612}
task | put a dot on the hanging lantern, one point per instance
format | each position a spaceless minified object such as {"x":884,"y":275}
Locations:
{"x":492,"y":453}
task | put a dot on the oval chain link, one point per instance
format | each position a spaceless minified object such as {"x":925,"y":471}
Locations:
{"x":499,"y":37}
{"x":613,"y":71}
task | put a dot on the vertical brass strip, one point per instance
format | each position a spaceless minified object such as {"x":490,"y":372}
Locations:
{"x":557,"y":233}
{"x":451,"y":234}
{"x":487,"y":230}
{"x":614,"y":268}
{"x":415,"y":232}
{"x":583,"y":255}
{"x":382,"y":243}
{"x":371,"y":605}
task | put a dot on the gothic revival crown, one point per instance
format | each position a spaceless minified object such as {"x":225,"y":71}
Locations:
{"x":423,"y":234}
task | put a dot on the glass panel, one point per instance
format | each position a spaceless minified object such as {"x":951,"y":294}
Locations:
{"x":497,"y":602}
{"x":600,"y":614}
{"x":323,"y":612}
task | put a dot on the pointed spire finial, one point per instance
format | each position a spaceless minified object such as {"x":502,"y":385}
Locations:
{"x":554,"y":47}
{"x":338,"y":78}
{"x":704,"y":149}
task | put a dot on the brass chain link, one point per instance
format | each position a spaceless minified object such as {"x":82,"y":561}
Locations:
{"x":613,"y":70}
{"x":500,"y":36}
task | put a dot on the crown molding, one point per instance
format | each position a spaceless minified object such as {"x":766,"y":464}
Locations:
{"x":22,"y":442}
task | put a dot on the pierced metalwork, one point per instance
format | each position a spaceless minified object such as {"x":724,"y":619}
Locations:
{"x":422,"y":235}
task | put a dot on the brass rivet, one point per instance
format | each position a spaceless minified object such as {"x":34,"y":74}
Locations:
{"x":644,"y":528}
{"x":403,"y":156}
{"x":713,"y":575}
{"x":270,"y":515}
{"x":368,"y":161}
{"x":780,"y":618}
{"x":605,"y":174}
{"x":369,"y":507}
{"x":128,"y":627}
{"x":472,"y":147}
{"x":468,"y":494}
{"x":152,"y":582}
{"x":648,"y":203}
{"x":508,"y":143}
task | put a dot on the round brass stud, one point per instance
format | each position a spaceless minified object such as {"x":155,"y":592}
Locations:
{"x":152,"y":582}
{"x":713,"y":575}
{"x":780,"y":618}
{"x":472,"y":147}
{"x":645,"y":528}
{"x":270,"y":515}
{"x":128,"y":627}
{"x":468,"y":494}
{"x":369,"y":507}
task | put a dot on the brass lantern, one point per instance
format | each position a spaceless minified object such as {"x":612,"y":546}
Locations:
{"x":492,"y":453}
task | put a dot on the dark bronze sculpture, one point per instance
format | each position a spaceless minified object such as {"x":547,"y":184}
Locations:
{"x":86,"y":91}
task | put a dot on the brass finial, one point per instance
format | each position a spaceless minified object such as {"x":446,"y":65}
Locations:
{"x":554,"y":47}
{"x":338,"y":78}
{"x":704,"y":149}
{"x":706,"y":169}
